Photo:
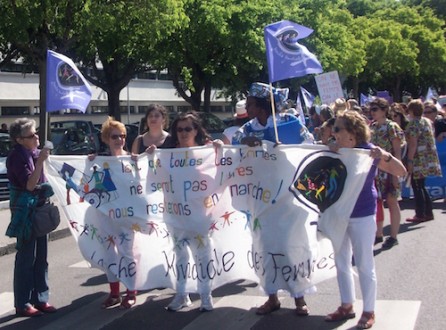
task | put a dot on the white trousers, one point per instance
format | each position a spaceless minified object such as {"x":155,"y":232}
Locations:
{"x":358,"y":241}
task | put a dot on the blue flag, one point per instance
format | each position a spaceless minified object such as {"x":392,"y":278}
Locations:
{"x":66,"y":88}
{"x":307,"y":97}
{"x":285,"y":56}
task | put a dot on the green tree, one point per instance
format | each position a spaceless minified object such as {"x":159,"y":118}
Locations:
{"x":28,"y":28}
{"x":118,"y":39}
{"x":222,"y":47}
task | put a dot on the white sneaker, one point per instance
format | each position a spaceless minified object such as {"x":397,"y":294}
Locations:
{"x":206,"y":304}
{"x":178,"y":302}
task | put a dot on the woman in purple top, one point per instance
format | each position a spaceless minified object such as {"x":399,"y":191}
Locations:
{"x":351,"y":131}
{"x":25,"y":173}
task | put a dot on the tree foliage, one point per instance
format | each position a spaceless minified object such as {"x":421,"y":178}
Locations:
{"x":119,"y":38}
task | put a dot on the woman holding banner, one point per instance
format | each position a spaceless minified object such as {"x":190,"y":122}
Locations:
{"x":113,"y":134}
{"x":187,"y":131}
{"x":260,"y":127}
{"x":351,"y":131}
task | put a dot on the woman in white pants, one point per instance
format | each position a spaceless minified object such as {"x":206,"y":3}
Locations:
{"x":351,"y":131}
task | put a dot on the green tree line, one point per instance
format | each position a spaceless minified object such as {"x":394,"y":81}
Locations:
{"x":398,"y":46}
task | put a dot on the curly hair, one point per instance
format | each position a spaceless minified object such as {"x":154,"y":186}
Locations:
{"x":356,"y":124}
{"x":202,"y":136}
{"x":19,"y":127}
{"x":107,"y":127}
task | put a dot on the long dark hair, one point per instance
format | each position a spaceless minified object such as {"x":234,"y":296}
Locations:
{"x":202,"y":136}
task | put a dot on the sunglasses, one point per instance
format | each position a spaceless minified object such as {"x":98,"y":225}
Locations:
{"x":428,"y":112}
{"x":186,"y":129}
{"x":374,"y":109}
{"x":117,"y":136}
{"x":337,"y":129}
{"x":33,"y":135}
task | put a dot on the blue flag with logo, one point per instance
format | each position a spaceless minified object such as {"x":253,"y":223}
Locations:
{"x":66,"y":87}
{"x":285,"y":56}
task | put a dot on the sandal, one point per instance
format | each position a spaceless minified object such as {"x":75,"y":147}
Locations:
{"x":128,"y":301}
{"x":111,"y":301}
{"x":268,"y":307}
{"x":341,"y":314}
{"x":301,"y":307}
{"x":366,"y":321}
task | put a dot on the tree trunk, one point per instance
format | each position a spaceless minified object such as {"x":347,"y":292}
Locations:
{"x":207,"y":97}
{"x":396,"y":90}
{"x":114,"y":104}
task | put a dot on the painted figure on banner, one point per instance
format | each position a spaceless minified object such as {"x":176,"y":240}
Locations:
{"x":356,"y":234}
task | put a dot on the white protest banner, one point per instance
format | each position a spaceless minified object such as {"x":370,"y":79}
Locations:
{"x":202,"y":217}
{"x":329,"y":87}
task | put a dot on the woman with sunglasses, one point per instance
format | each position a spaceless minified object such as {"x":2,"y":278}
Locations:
{"x":352,"y":131}
{"x":28,"y":187}
{"x":113,"y":134}
{"x":422,"y":159}
{"x":155,"y":121}
{"x":187,"y":131}
{"x":390,"y":137}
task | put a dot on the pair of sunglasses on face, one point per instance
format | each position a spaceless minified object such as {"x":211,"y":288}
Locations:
{"x":118,"y":136}
{"x":186,"y":129}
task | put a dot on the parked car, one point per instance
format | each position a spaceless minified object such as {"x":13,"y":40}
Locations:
{"x":71,"y":141}
{"x":5,"y":146}
{"x":74,"y":137}
{"x":132,"y":133}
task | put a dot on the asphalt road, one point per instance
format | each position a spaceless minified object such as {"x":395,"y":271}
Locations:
{"x":411,"y":289}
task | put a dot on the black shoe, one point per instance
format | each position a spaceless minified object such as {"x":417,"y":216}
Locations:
{"x":389,"y":243}
{"x":378,"y":239}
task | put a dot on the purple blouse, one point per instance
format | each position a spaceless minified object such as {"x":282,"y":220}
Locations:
{"x":366,"y":203}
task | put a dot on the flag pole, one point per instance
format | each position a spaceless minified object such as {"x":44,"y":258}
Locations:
{"x":273,"y":108}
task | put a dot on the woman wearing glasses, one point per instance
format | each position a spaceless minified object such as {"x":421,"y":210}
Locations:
{"x":352,"y":131}
{"x":390,"y":137}
{"x":187,"y":131}
{"x":27,"y":179}
{"x":113,"y":134}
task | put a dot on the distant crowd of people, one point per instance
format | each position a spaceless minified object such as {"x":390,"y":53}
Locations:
{"x":400,"y":138}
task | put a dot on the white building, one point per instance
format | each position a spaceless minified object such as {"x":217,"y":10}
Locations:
{"x":19,"y":97}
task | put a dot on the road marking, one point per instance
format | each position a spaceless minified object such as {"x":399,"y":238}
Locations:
{"x":390,"y":314}
{"x":6,"y":302}
{"x":81,"y":264}
{"x":230,"y":312}
{"x":237,"y":312}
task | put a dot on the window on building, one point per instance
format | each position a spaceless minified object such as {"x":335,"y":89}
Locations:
{"x":124,"y":109}
{"x":99,"y":109}
{"x":15,"y":111}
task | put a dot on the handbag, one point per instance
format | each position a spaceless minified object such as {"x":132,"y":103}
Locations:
{"x":46,"y":219}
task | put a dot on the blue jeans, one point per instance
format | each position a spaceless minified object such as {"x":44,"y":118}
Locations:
{"x":31,"y":273}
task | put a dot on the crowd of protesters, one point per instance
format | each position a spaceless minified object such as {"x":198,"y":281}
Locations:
{"x":401,"y":139}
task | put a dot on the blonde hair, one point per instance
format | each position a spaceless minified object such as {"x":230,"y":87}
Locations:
{"x":355,"y":124}
{"x":107,"y":127}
